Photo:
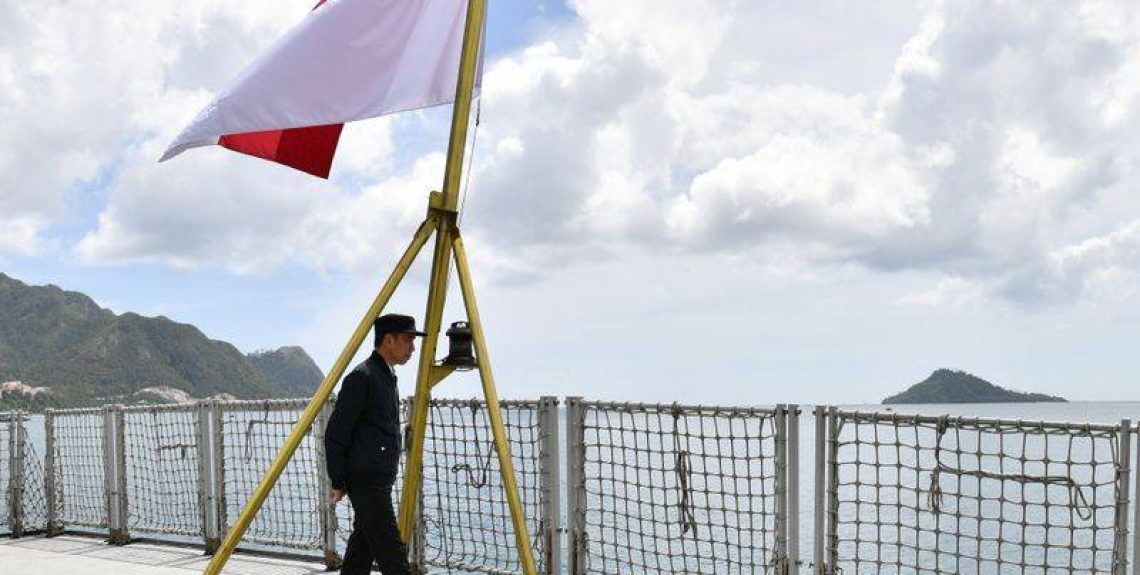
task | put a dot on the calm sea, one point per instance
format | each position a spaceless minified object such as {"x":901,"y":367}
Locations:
{"x":1078,"y":411}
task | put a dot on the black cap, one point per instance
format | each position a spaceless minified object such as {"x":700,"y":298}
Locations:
{"x":395,"y":323}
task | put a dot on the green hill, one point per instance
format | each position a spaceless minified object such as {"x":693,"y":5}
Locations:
{"x":290,"y":366}
{"x":88,"y":355}
{"x":948,"y":386}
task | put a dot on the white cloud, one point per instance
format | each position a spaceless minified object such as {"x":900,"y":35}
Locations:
{"x":641,"y":138}
{"x":264,"y":216}
{"x":366,"y":148}
{"x":970,"y":140}
{"x":674,"y":35}
{"x":21,"y":236}
{"x":166,"y":214}
{"x":950,"y":293}
{"x":833,"y":179}
{"x":1106,"y":265}
{"x":1018,"y":92}
{"x":79,"y":78}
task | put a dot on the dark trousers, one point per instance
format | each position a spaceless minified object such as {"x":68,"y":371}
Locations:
{"x":375,"y":534}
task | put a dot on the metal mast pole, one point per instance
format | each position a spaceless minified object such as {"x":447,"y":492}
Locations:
{"x":448,"y":244}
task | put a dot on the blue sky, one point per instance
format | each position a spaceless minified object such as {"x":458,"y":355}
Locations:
{"x":716,"y":202}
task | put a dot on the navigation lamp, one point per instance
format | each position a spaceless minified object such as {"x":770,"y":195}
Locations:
{"x":460,"y":354}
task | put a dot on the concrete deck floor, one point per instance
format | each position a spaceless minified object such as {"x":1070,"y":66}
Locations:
{"x":79,"y":555}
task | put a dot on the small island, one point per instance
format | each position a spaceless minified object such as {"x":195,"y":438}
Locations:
{"x":951,"y":386}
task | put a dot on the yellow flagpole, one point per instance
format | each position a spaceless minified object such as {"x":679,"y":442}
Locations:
{"x":443,"y":205}
{"x":448,"y":243}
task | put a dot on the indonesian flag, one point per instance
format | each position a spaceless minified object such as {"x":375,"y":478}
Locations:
{"x":348,"y":60}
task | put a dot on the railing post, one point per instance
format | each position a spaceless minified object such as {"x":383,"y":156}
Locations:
{"x":51,"y":478}
{"x":819,"y":504}
{"x":1120,"y":544}
{"x":328,"y":522}
{"x":121,"y":475}
{"x":419,"y":548}
{"x":10,"y":496}
{"x":781,"y":488}
{"x":1136,"y":501}
{"x":207,"y":506}
{"x":115,"y":476}
{"x":793,"y":482}
{"x":16,"y":473}
{"x":110,"y":501}
{"x":218,"y":462}
{"x":832,"y":497}
{"x":576,"y":484}
{"x":551,"y":484}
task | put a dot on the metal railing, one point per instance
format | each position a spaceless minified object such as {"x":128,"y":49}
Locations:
{"x":248,"y":435}
{"x":464,"y":518}
{"x":162,"y":469}
{"x":941,"y":494}
{"x":184,"y":472}
{"x":21,"y":479}
{"x":80,"y":458}
{"x":668,"y":488}
{"x":631,"y":488}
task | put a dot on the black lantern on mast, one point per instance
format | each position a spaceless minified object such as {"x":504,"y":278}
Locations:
{"x":460,"y":354}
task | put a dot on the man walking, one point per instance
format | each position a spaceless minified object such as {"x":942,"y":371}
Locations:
{"x":362,"y":448}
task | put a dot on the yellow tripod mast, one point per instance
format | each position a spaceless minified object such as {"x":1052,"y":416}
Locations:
{"x":442,"y":222}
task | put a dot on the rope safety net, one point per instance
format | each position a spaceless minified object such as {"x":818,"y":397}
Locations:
{"x":466,"y":518}
{"x":680,"y":489}
{"x":79,"y":469}
{"x":29,"y":487}
{"x":919,"y":494}
{"x":252,"y":433}
{"x":162,"y":467}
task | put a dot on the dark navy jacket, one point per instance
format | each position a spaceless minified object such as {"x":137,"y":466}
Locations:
{"x":362,"y":439}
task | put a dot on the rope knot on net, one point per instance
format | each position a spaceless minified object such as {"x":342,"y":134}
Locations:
{"x":1077,"y":499}
{"x":267,"y":421}
{"x":683,"y":468}
{"x":477,"y":475}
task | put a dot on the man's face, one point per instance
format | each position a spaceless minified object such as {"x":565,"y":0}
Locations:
{"x":403,"y":344}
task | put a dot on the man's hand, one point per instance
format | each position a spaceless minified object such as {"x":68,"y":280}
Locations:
{"x":335,"y":497}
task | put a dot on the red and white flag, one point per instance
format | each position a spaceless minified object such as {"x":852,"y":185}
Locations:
{"x":348,"y":60}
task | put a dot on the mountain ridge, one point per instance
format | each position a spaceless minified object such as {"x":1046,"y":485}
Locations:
{"x":86,"y":354}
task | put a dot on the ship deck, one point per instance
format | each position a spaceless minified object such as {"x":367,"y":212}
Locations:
{"x":77,"y":554}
